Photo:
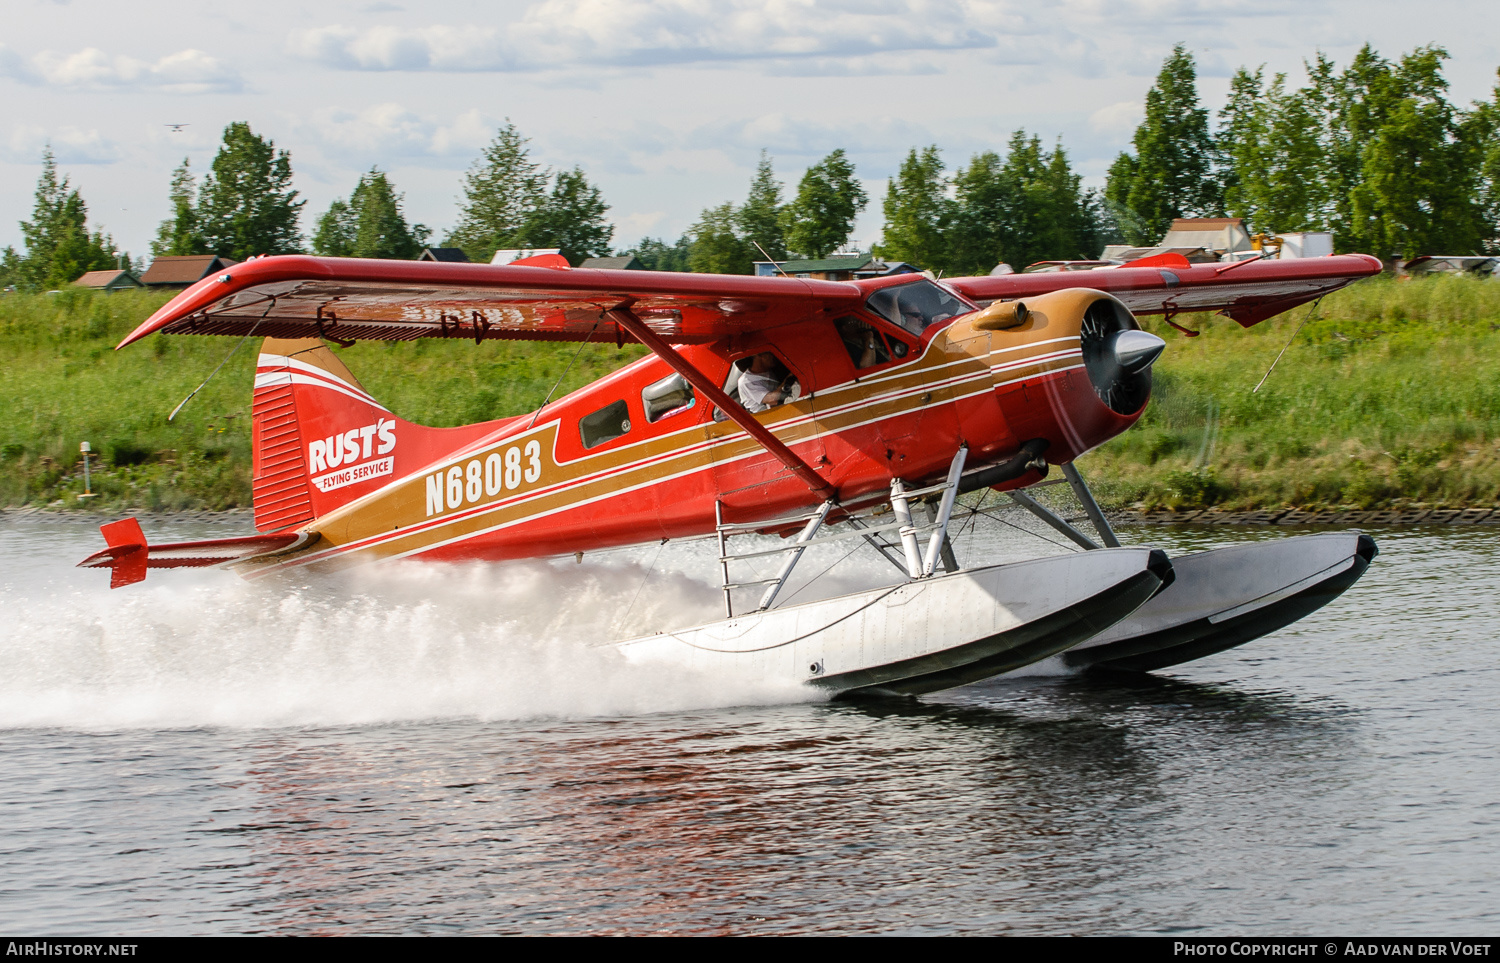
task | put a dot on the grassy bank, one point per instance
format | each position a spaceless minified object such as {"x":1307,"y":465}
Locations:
{"x":1389,"y":397}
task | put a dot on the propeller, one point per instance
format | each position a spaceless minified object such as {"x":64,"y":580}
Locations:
{"x":1118,"y":355}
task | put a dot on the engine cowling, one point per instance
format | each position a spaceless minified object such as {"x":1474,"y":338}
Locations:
{"x":1072,"y":367}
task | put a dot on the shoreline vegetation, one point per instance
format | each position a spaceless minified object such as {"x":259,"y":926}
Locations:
{"x":1387,"y":399}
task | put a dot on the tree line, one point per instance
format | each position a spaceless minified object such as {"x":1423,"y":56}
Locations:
{"x":1376,"y":152}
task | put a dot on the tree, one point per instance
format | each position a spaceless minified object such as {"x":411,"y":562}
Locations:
{"x":59,"y":247}
{"x":984,"y":215}
{"x":1419,"y":164}
{"x":503,"y":192}
{"x":1171,"y":174}
{"x":717,"y":248}
{"x":1029,"y":207}
{"x":571,"y":218}
{"x":918,"y":213}
{"x":828,"y":200}
{"x":760,"y":219}
{"x":1269,"y":149}
{"x":507,"y":205}
{"x":246,"y":205}
{"x":657,"y":255}
{"x":179,"y":233}
{"x":369,"y":224}
{"x":1485,"y":129}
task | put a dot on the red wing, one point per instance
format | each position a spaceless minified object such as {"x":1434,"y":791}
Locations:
{"x":1247,"y":291}
{"x":358,"y":299}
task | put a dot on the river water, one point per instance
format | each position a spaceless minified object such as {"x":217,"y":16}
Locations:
{"x":432,"y":749}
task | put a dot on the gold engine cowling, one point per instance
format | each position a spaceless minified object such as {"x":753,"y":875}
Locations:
{"x":1037,"y":347}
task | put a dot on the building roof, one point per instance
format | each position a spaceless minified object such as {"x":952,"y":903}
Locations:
{"x":183,"y":269}
{"x":1217,"y":234}
{"x":443,"y":254}
{"x":629,"y":263}
{"x":1205,"y":223}
{"x":826,"y":264}
{"x":113,"y":277}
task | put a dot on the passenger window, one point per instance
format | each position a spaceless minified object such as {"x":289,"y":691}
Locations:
{"x":758,"y":382}
{"x":666,"y":397}
{"x":606,"y":424}
{"x":765,"y":382}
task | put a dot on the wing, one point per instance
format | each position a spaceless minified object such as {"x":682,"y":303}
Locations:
{"x":1247,"y":291}
{"x":348,"y":299}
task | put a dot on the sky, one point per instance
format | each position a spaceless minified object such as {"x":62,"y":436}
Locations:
{"x":665,"y":104}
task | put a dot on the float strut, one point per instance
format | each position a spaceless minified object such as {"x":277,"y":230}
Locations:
{"x":901,"y":508}
{"x":1040,"y":511}
{"x":808,"y":531}
{"x":939,"y":539}
{"x":1091,"y":507}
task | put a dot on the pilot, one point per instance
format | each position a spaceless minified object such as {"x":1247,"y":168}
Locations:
{"x":766,"y":383}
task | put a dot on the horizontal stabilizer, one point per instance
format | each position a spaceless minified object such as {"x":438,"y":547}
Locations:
{"x":127,"y":554}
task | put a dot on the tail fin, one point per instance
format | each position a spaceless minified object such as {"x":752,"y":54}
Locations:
{"x":320,"y":441}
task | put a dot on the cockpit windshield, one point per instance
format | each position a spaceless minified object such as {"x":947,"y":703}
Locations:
{"x":917,"y":305}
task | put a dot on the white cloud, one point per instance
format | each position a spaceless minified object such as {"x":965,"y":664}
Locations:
{"x":390,"y":130}
{"x":70,"y":145}
{"x":1117,"y":119}
{"x":393,"y":48}
{"x":185,"y":72}
{"x":639,"y":223}
{"x":618,"y":33}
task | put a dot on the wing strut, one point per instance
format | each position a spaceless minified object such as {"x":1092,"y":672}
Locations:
{"x":734,"y":411}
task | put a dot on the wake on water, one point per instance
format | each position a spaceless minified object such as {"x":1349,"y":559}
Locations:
{"x":383,"y":644}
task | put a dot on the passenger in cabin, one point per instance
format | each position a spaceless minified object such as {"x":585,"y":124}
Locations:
{"x":767,"y":383}
{"x":865,"y":347}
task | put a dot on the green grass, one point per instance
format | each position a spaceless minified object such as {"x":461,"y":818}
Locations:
{"x":1390,"y":397}
{"x":65,"y":384}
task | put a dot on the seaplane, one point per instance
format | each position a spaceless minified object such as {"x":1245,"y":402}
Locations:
{"x":808,"y":409}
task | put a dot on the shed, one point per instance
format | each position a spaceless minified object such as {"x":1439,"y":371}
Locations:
{"x":1220,"y":235}
{"x":452,"y":254}
{"x":111,"y":280}
{"x":629,"y":263}
{"x":179,"y":271}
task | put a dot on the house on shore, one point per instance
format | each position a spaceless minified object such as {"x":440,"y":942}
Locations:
{"x":628,"y":263}
{"x":180,"y":271}
{"x":109,"y":281}
{"x":450,"y":254}
{"x":840,"y":266}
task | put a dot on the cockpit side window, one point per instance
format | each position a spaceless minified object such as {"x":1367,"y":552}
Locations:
{"x":917,"y":305}
{"x":606,"y":424}
{"x":865,"y":345}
